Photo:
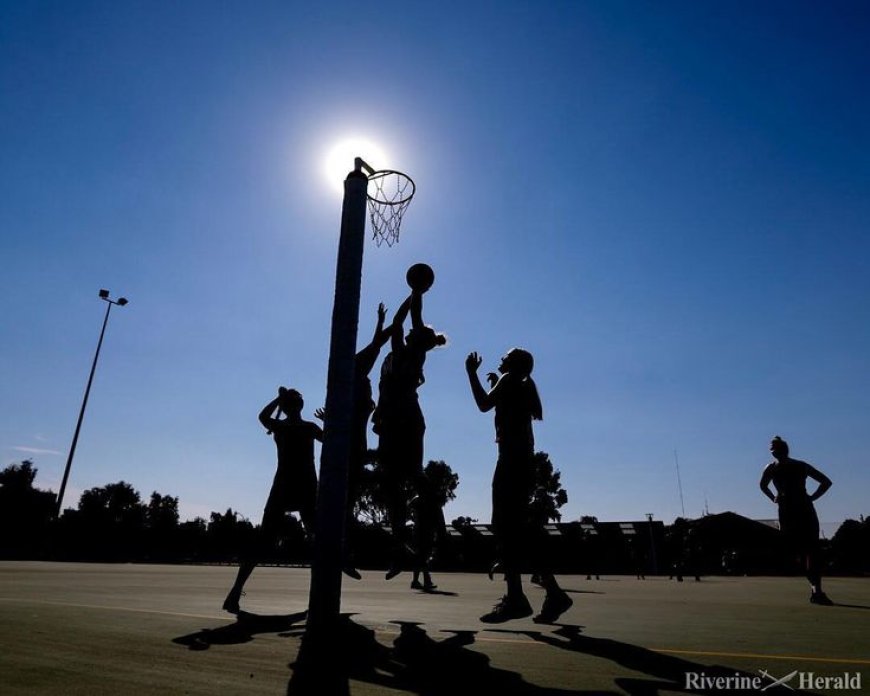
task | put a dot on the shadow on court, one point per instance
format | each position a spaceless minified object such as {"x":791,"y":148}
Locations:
{"x":415,"y":663}
{"x":418,"y":664}
{"x":242,"y":631}
{"x":442,"y":593}
{"x":668,"y":672}
{"x":582,"y":591}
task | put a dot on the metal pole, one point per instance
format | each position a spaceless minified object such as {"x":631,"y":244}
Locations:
{"x":652,"y":545}
{"x":679,"y":483}
{"x":324,"y":601}
{"x":72,"y":449}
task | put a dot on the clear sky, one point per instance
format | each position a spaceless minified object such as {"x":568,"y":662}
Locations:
{"x":667,"y":203}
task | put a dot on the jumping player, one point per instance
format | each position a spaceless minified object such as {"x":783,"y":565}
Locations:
{"x":399,"y":423}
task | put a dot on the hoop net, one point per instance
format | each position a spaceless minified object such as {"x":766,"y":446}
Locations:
{"x":389,"y":193}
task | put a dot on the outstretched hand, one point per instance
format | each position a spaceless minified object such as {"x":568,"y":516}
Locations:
{"x":382,"y":312}
{"x":473,"y":362}
{"x":492,"y":378}
{"x":320,"y":413}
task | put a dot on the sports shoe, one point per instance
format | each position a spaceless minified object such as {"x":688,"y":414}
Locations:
{"x":429,"y":586}
{"x":508,"y":608}
{"x":415,"y":585}
{"x":351,"y":572}
{"x":555,"y":604}
{"x":402,"y":559}
{"x":820,"y":598}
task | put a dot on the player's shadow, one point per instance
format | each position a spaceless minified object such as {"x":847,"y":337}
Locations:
{"x":243,"y":630}
{"x":443,"y":593}
{"x":415,"y":663}
{"x":850,"y":606}
{"x":668,"y":673}
{"x":570,"y":591}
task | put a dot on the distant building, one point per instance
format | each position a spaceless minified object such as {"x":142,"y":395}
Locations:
{"x":735,"y":545}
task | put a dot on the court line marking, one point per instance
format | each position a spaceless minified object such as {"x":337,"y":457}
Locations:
{"x":802,"y":658}
{"x":113,"y":608}
{"x":479,"y":638}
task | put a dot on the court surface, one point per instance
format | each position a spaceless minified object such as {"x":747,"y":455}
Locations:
{"x":143,"y":629}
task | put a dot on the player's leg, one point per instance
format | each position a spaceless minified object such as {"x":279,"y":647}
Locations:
{"x":250,"y":556}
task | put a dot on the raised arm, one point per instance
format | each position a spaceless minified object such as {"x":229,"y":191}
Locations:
{"x":482,"y":398}
{"x":416,"y":309}
{"x":764,"y":484}
{"x":823,"y":481}
{"x":266,"y":414}
{"x":397,"y":337}
{"x":381,"y":336}
{"x":365,"y":359}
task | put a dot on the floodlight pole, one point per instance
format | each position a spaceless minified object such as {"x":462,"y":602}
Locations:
{"x":324,"y":601}
{"x":121,"y":301}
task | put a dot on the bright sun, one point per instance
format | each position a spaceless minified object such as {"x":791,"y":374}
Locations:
{"x":339,"y":160}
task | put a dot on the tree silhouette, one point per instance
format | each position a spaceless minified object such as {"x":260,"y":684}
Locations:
{"x":850,"y":546}
{"x":109,"y":523}
{"x":443,"y":479}
{"x":228,"y":535}
{"x":115,"y":503}
{"x":549,"y":495}
{"x":162,"y":511}
{"x":161,"y":526}
{"x":371,"y":505}
{"x":18,"y":477}
{"x":25,"y":512}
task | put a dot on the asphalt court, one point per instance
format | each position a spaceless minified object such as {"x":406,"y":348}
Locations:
{"x":142,"y":629}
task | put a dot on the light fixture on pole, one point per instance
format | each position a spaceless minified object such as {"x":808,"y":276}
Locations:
{"x":121,"y":301}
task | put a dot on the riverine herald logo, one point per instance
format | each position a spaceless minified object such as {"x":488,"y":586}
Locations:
{"x":844,"y":681}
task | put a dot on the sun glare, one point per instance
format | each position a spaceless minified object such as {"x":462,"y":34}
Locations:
{"x":339,"y":160}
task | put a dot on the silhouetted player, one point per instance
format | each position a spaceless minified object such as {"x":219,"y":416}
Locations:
{"x":294,"y":488}
{"x":429,"y":531}
{"x":399,"y":422}
{"x":797,"y":515}
{"x":363,"y":406}
{"x":516,"y":402}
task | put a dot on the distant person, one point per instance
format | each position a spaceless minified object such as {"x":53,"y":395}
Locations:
{"x":682,"y":547}
{"x":515,"y":399}
{"x":430,"y":531}
{"x":797,"y":515}
{"x":363,"y":406}
{"x":294,"y":488}
{"x":638,"y":557}
{"x":398,"y":421}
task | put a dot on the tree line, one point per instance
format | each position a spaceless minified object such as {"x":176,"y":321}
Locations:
{"x":115,"y":523}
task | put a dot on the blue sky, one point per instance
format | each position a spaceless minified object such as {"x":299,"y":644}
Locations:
{"x":666,"y":203}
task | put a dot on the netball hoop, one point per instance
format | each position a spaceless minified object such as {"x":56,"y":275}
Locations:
{"x":389,"y":193}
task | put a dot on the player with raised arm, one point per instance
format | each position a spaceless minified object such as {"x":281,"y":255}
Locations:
{"x":514,"y":396}
{"x":398,"y":419}
{"x":363,"y":406}
{"x":294,"y":488}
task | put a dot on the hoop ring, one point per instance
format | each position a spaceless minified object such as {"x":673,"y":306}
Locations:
{"x":382,"y":173}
